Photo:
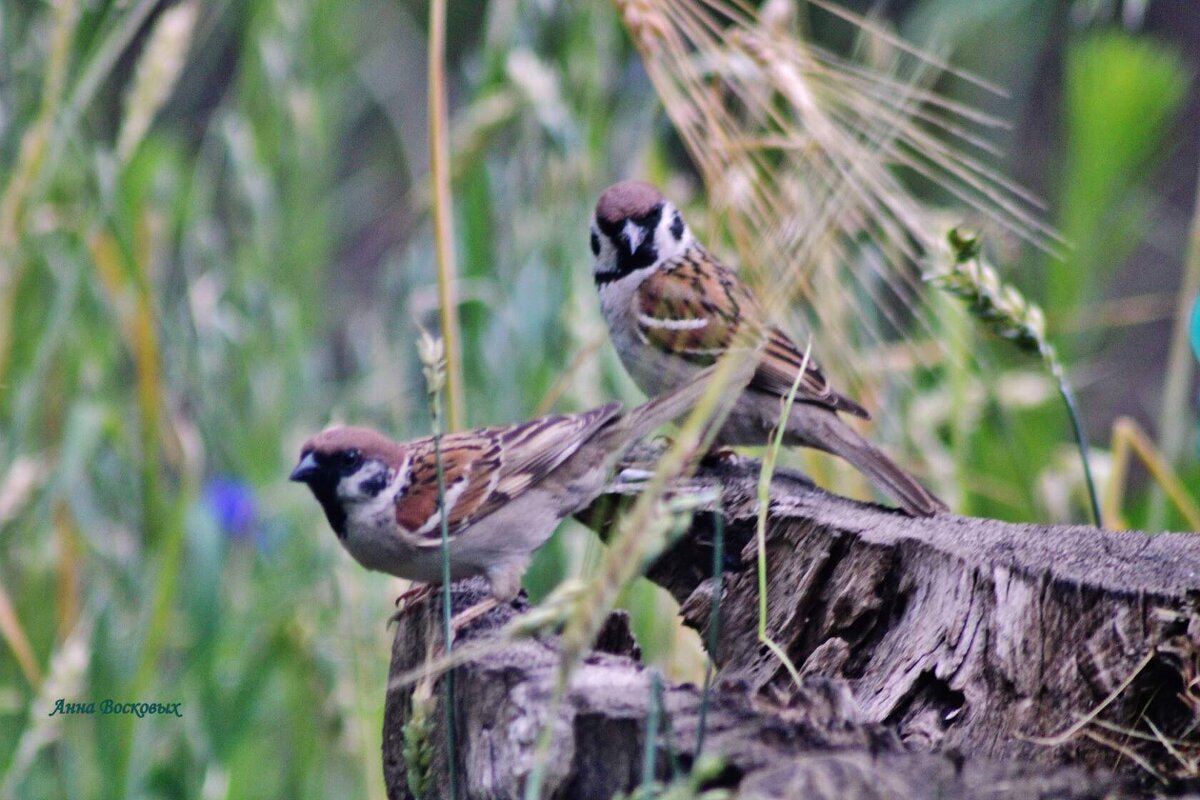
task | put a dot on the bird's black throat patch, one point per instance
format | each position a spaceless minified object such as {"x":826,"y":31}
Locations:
{"x":646,"y":253}
{"x":324,"y":488}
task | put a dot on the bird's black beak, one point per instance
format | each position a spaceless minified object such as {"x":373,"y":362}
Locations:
{"x":306,"y":470}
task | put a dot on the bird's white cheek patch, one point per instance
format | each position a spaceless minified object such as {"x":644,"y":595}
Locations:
{"x":670,"y":248}
{"x":380,"y":505}
{"x":373,"y":503}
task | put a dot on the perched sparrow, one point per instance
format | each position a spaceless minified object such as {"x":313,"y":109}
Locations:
{"x":506,"y":488}
{"x":672,"y":309}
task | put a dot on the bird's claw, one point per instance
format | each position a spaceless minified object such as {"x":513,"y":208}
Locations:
{"x":720,"y":457}
{"x":406,"y":601}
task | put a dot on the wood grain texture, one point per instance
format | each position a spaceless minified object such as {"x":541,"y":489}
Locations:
{"x":972,"y":634}
{"x":931,"y":651}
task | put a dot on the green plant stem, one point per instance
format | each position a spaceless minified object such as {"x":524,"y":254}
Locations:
{"x":13,"y":632}
{"x":447,"y":628}
{"x":1009,"y":315}
{"x":1068,"y":396}
{"x":650,"y":746}
{"x":764,"y":504}
{"x":1174,"y":415}
{"x":628,"y":550}
{"x":30,"y":161}
{"x":1069,"y":399}
{"x":165,"y":589}
{"x":439,"y":165}
{"x":106,"y":56}
{"x":668,"y":736}
{"x":42,"y":144}
{"x":961,"y":332}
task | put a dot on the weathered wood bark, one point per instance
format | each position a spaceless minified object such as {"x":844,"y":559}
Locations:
{"x":935,"y":654}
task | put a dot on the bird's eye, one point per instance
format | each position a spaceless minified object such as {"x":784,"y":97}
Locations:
{"x":595,"y":244}
{"x":349,"y":459}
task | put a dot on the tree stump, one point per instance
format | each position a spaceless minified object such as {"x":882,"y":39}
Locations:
{"x":948,"y":657}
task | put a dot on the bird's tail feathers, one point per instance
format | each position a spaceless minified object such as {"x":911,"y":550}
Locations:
{"x":657,"y":411}
{"x":915,"y":499}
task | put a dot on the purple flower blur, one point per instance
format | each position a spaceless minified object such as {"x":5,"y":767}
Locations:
{"x":232,"y":504}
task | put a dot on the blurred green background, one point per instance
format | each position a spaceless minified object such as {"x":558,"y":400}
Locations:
{"x":215,"y":241}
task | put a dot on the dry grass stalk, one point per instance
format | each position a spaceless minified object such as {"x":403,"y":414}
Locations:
{"x":443,"y":212}
{"x":642,"y":532}
{"x":1128,"y":440}
{"x":157,"y":71}
{"x":14,"y":635}
{"x":30,"y":159}
{"x":1176,"y":413}
{"x":961,"y":270}
{"x":798,"y":148}
{"x":65,"y":678}
{"x":800,"y":145}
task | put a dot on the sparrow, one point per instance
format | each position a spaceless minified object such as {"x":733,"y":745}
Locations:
{"x":672,"y":308}
{"x":506,"y":488}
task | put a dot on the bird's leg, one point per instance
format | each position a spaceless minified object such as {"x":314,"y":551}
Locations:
{"x":414,"y":595}
{"x":406,"y":601}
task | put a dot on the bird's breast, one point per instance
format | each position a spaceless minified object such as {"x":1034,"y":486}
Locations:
{"x":653,"y":370}
{"x":376,"y":542}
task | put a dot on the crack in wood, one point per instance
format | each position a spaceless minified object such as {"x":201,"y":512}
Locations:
{"x":930,"y":649}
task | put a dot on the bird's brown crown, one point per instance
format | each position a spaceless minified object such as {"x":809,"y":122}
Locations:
{"x":627,"y":200}
{"x":366,"y":441}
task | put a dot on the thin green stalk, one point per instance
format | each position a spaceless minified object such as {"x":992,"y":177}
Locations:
{"x":118,"y":264}
{"x":43,"y":142}
{"x":433,"y":359}
{"x":764,"y":504}
{"x":30,"y":160}
{"x":101,"y":64}
{"x":650,"y":746}
{"x":628,"y":550}
{"x":447,"y":631}
{"x":163,"y":524}
{"x":714,"y":621}
{"x":439,"y":165}
{"x":13,"y":632}
{"x":1176,"y":410}
{"x":959,"y":344}
{"x":668,"y":739}
{"x":1068,"y":396}
{"x":1010,"y":316}
{"x":165,"y":588}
